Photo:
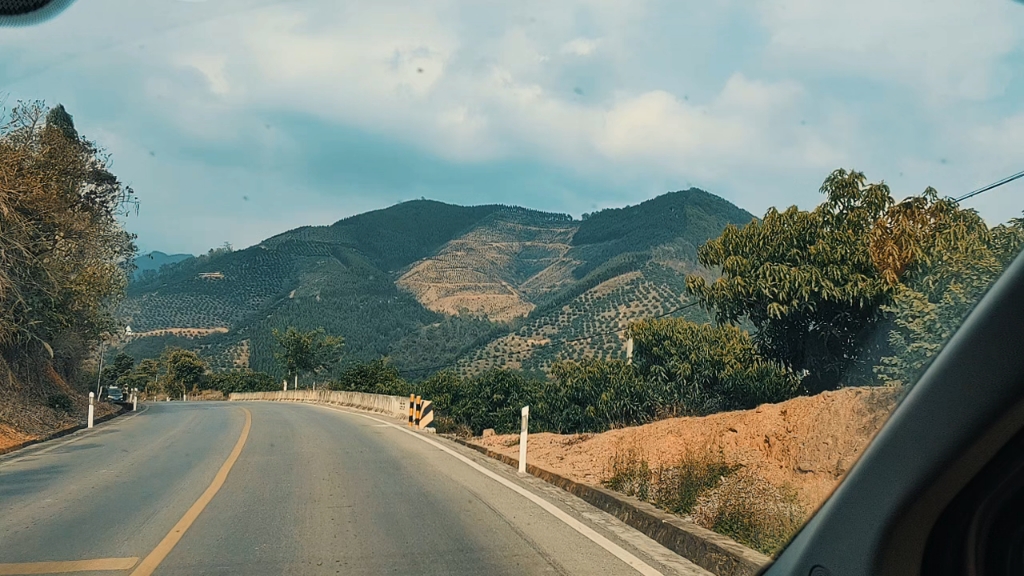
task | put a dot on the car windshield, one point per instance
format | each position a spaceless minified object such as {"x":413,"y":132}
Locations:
{"x":709,"y":245}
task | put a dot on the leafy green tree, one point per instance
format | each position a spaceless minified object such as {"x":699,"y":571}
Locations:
{"x":376,"y":377}
{"x":495,"y":398}
{"x":184,"y":370}
{"x":243,"y":381}
{"x":806,"y":281}
{"x":120,"y":366}
{"x":305,"y":352}
{"x":945,"y":258}
{"x":145,"y":376}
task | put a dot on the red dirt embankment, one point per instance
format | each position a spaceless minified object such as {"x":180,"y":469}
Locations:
{"x":25,"y":414}
{"x":808,"y":443}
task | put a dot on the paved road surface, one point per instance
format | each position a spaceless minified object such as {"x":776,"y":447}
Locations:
{"x":313,"y":490}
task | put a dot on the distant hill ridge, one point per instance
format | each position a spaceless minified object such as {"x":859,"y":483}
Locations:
{"x":427,"y":282}
{"x":153,"y":261}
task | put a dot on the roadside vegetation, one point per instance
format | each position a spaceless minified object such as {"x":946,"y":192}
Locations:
{"x":714,"y":494}
{"x":65,"y":259}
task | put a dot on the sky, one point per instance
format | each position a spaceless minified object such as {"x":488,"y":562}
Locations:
{"x":235,"y":120}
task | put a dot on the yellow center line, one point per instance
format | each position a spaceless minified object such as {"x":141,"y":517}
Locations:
{"x":98,"y":564}
{"x":153,"y":560}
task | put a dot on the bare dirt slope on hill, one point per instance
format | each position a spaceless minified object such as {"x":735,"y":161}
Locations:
{"x":489,"y":270}
{"x":808,"y":443}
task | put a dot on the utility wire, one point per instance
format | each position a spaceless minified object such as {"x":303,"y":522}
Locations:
{"x":996,"y":184}
{"x":551,"y":342}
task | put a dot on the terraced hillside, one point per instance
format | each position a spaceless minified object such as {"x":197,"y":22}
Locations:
{"x":494,"y":269}
{"x":434,"y":284}
{"x":590,"y":325}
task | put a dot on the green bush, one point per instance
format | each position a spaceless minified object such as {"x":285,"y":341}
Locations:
{"x":61,"y":403}
{"x":593,"y":396}
{"x":699,"y":369}
{"x":375,"y":377}
{"x":242,"y":381}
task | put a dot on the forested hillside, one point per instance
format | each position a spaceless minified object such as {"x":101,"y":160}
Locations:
{"x":432,"y":284}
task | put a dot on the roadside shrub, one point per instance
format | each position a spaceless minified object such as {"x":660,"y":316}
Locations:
{"x":630,"y":474}
{"x":447,"y":425}
{"x":61,"y":403}
{"x":593,"y":396}
{"x":679,"y":487}
{"x":494,"y":399}
{"x":700,"y":369}
{"x":752,"y":511}
{"x":675,"y":489}
{"x":242,"y":381}
{"x":376,"y":377}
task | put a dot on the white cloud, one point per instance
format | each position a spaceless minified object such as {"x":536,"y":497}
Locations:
{"x":580,"y":47}
{"x":945,"y":50}
{"x":758,"y":105}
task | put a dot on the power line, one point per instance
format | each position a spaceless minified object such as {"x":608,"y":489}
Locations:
{"x":996,"y":184}
{"x":551,"y":342}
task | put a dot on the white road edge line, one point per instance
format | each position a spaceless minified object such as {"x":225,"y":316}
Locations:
{"x":616,"y":550}
{"x":86,"y":432}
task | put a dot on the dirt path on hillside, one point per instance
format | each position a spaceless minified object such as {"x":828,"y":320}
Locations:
{"x":808,"y":443}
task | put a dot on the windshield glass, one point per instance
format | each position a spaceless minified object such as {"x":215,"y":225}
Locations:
{"x":709,"y":244}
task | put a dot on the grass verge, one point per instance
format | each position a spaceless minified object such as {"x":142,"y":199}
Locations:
{"x":715,"y":494}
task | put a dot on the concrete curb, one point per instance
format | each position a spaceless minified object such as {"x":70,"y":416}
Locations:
{"x":711,"y":551}
{"x":61,"y":433}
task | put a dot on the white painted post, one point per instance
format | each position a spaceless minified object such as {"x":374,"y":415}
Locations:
{"x":92,"y":409}
{"x":296,"y":387}
{"x":629,"y":351}
{"x":522,"y":440}
{"x":285,"y":384}
{"x":135,"y":402}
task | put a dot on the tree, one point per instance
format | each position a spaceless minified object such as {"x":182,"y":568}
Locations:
{"x":243,"y":381}
{"x":376,"y":377}
{"x":305,"y":352}
{"x":184,"y":370}
{"x":806,"y":281}
{"x":64,"y":256}
{"x":949,"y":261}
{"x":145,"y":375}
{"x":120,"y":366}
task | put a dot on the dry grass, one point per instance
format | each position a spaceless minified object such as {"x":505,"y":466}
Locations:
{"x":752,"y":511}
{"x":715,"y":494}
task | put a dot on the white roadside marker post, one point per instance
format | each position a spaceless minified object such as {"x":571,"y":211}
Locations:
{"x":135,"y":401}
{"x":522,"y":440}
{"x":92,"y":409}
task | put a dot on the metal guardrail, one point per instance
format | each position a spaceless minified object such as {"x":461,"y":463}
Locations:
{"x":396,"y":406}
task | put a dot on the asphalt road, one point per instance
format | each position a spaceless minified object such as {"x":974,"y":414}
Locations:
{"x":173,"y":489}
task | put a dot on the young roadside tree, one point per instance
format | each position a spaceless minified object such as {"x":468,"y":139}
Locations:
{"x":305,"y":352}
{"x":120,"y":366}
{"x":144,"y":377}
{"x":184,"y":370}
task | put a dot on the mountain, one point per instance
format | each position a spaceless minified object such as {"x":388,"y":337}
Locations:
{"x":154,"y":260}
{"x":433,"y":284}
